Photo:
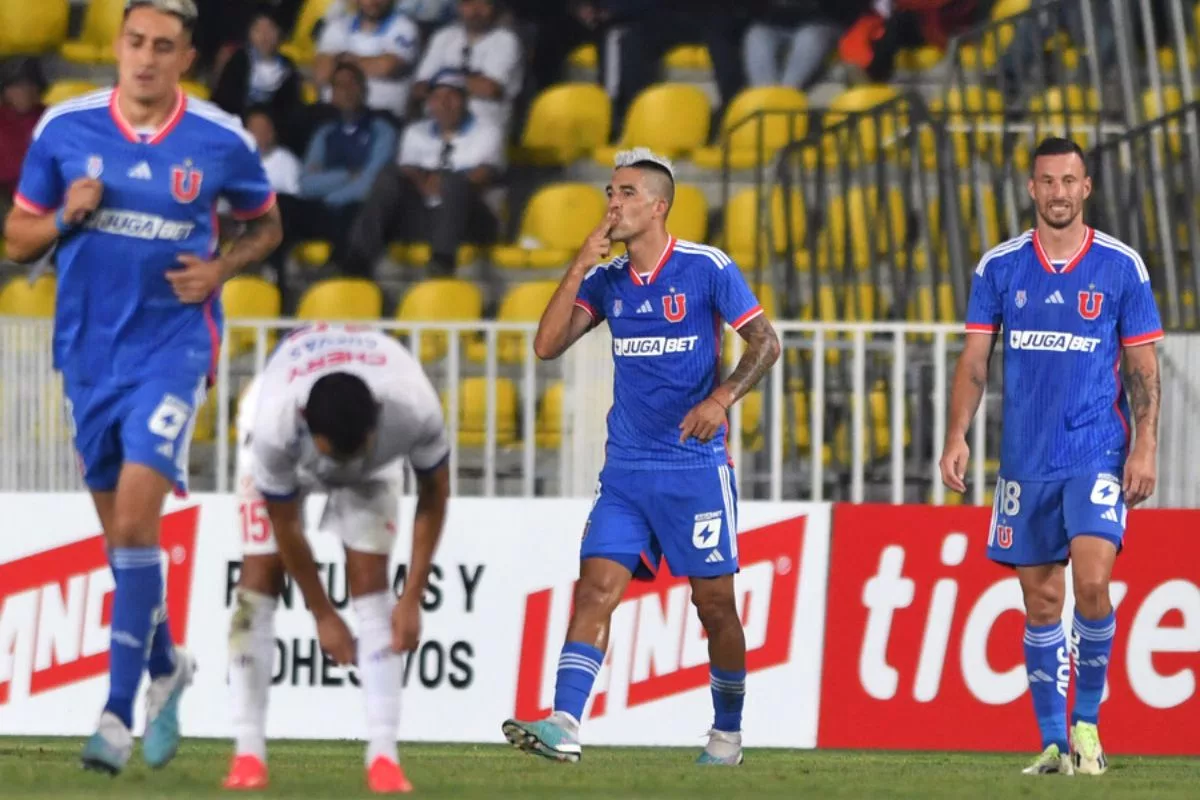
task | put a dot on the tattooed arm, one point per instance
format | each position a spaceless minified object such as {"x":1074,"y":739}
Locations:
{"x":198,"y":279}
{"x":970,"y":379}
{"x":762,"y":350}
{"x":1144,"y":388}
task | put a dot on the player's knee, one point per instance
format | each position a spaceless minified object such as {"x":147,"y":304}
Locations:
{"x":1091,"y":596}
{"x":596,"y":597}
{"x":133,"y":530}
{"x":717,"y":611}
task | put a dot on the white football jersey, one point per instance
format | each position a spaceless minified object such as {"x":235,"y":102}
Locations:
{"x":411,"y":426}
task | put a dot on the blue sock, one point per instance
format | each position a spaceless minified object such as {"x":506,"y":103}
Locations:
{"x":578,"y":666}
{"x":1091,"y":642}
{"x":728,"y":695}
{"x":138,"y":594}
{"x":1049,"y":671}
{"x":162,"y":650}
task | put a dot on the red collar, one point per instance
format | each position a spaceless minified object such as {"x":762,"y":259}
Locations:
{"x":1089,"y":234}
{"x":662,"y":260}
{"x":168,"y":125}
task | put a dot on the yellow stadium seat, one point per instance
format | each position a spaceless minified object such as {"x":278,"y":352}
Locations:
{"x":441,"y":300}
{"x":670,"y":118}
{"x":860,"y":99}
{"x":688,"y":56}
{"x":1056,"y":100}
{"x":418,"y":254}
{"x":309,"y":93}
{"x":472,"y":412}
{"x":863,"y":209}
{"x":20,"y":298}
{"x":313,"y":253}
{"x":302,"y":47}
{"x":565,"y":123}
{"x":524,"y":302}
{"x":248,"y":297}
{"x":945,"y":299}
{"x":61,"y":91}
{"x":783,"y":119}
{"x":802,"y":429}
{"x":1168,"y":61}
{"x":920,"y":59}
{"x":752,"y":421}
{"x":549,"y":417}
{"x":195,"y":89}
{"x":339,"y":299}
{"x":1009,"y":8}
{"x":584,"y":57}
{"x":741,"y":224}
{"x":101,"y":25}
{"x":688,"y":218}
{"x":556,"y":220}
{"x":29,"y":27}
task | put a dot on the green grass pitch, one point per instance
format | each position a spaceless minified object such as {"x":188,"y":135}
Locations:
{"x":48,"y":768}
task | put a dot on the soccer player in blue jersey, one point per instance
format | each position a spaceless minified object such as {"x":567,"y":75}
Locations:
{"x":667,"y":487}
{"x":1070,"y":304}
{"x":124,"y":183}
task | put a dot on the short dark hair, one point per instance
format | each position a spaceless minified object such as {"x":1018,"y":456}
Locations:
{"x":1058,"y":146}
{"x":353,"y":69}
{"x":341,"y":408}
{"x":654,"y":166}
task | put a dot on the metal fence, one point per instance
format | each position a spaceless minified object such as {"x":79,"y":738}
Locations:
{"x":852,"y":412}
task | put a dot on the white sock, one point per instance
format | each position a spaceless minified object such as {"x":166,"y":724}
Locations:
{"x":251,"y":661}
{"x":380,"y":673}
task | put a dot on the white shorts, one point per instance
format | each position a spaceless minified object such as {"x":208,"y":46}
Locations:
{"x":363,"y":516}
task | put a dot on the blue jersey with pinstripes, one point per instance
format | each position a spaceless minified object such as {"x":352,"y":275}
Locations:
{"x":666,"y":330}
{"x":1063,"y":326}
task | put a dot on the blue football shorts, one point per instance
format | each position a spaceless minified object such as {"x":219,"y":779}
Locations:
{"x":1033,"y":522}
{"x":150,"y":423}
{"x":687,"y":515}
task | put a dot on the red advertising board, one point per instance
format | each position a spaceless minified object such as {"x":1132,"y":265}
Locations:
{"x":923,"y":636}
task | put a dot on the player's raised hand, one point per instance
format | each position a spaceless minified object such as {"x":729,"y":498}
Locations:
{"x":597,"y":245}
{"x":1141,"y":475}
{"x":83,"y":197}
{"x":955,"y":457}
{"x":196,"y":280}
{"x":406,"y":624}
{"x":703,"y":421}
{"x":335,"y":638}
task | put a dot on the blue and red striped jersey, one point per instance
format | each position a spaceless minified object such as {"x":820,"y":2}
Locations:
{"x":666,"y":329}
{"x":116,"y":313}
{"x":1063,"y":326}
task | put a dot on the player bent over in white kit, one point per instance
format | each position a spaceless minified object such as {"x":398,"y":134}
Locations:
{"x":336,"y":411}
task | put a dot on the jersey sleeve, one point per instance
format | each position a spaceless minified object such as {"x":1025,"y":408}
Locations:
{"x":274,"y":471}
{"x":40,"y":189}
{"x":433,"y":448}
{"x":246,"y":186}
{"x":1138,"y":321}
{"x":985,"y":312}
{"x":591,"y":294}
{"x":734,"y":299}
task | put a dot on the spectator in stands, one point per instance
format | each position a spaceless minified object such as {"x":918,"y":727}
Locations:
{"x":282,"y":166}
{"x":489,"y":55}
{"x":803,"y":29}
{"x":257,"y":74}
{"x":883,"y":27}
{"x":428,"y":14}
{"x":381,"y":42}
{"x":435,"y":190}
{"x":1024,"y":61}
{"x":341,"y":164}
{"x":22,"y":85}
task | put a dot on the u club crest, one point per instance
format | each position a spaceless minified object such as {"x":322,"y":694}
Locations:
{"x":185,"y":182}
{"x":1020,"y":298}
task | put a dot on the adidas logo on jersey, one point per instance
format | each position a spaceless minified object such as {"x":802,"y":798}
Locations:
{"x":1056,"y":298}
{"x":646,"y":308}
{"x":141,"y":172}
{"x":714,"y":557}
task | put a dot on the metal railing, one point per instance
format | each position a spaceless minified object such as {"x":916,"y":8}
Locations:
{"x":853,"y":412}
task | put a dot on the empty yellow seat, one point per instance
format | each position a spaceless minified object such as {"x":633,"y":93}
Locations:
{"x":584,"y":57}
{"x":550,"y":417}
{"x":688,"y":56}
{"x":313,"y":253}
{"x":753,"y":435}
{"x":742,"y":223}
{"x":61,"y":91}
{"x":870,"y":132}
{"x":473,"y":412}
{"x":557,"y":219}
{"x":29,"y":27}
{"x":302,"y":47}
{"x":341,"y":299}
{"x":195,"y":89}
{"x":101,"y":26}
{"x":20,"y":298}
{"x":777,"y":114}
{"x":248,"y":297}
{"x":671,"y":119}
{"x":853,"y":216}
{"x":524,"y":302}
{"x":441,"y":300}
{"x":688,"y":218}
{"x":565,"y":123}
{"x":419,"y":254}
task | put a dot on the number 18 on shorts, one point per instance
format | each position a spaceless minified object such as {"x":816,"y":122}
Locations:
{"x":1033,"y":522}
